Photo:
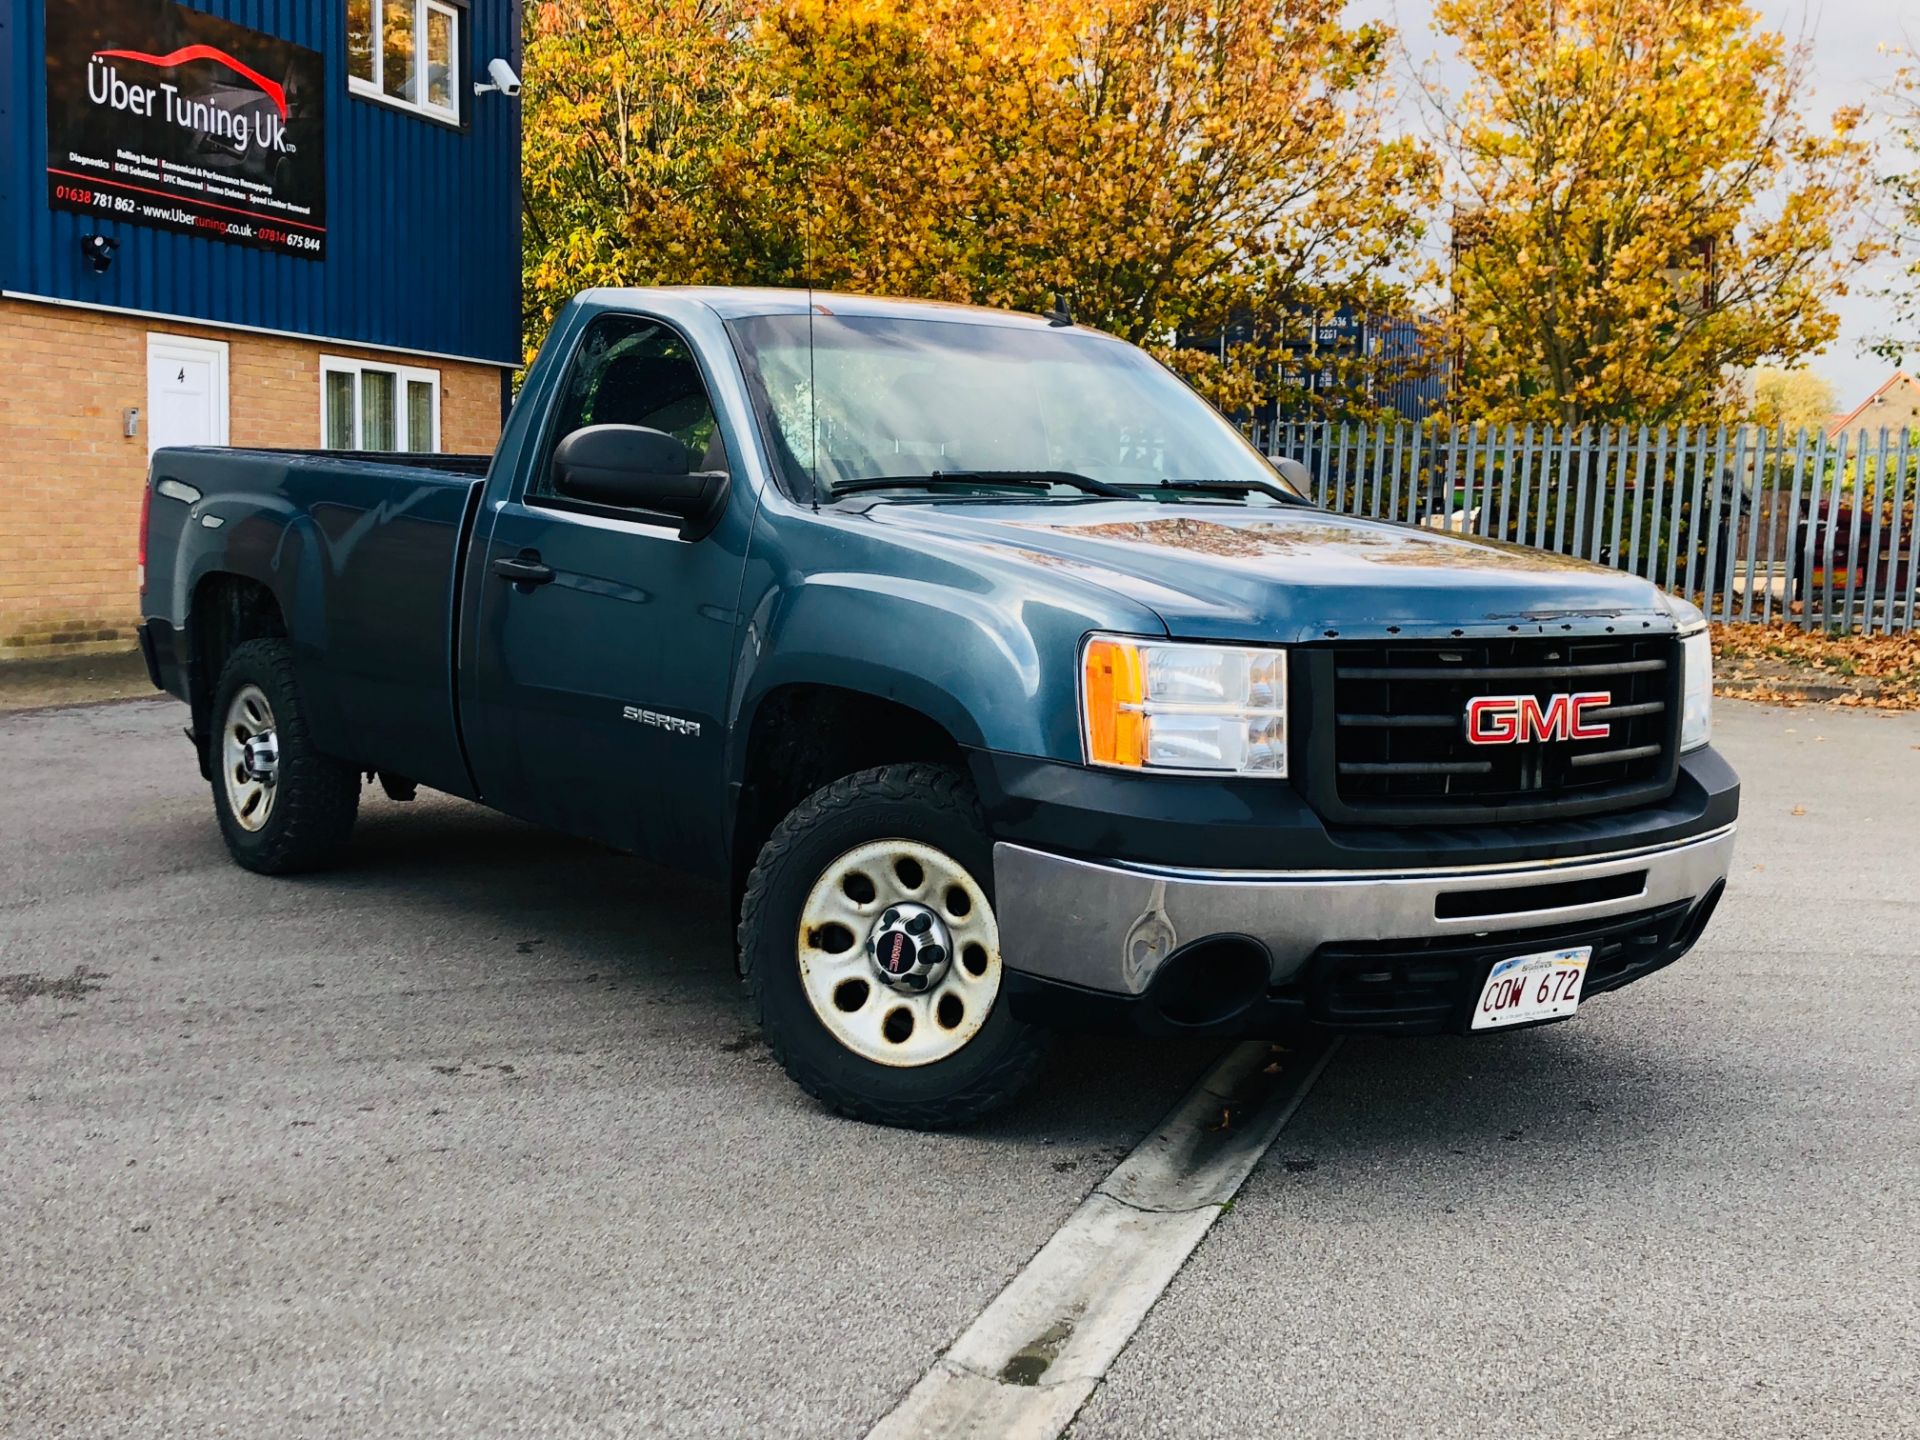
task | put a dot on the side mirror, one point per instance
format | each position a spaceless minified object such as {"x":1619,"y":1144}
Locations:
{"x":636,"y":468}
{"x":1294,"y":473}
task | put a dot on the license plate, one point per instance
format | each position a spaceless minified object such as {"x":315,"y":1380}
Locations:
{"x":1532,"y":987}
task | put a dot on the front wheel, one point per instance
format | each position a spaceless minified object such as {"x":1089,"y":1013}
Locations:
{"x":872,"y":956}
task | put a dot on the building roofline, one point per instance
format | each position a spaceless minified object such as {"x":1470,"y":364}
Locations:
{"x":1845,"y":422}
{"x":170,"y":317}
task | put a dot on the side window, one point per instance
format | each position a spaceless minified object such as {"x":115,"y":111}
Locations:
{"x":633,"y":371}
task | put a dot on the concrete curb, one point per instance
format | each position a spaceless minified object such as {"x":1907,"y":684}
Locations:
{"x":1032,"y":1358}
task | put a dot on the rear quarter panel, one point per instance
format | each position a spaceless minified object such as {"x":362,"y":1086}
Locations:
{"x":360,"y":557}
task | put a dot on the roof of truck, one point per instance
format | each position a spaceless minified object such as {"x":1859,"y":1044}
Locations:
{"x":739,"y":302}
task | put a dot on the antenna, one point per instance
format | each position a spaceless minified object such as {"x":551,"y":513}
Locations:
{"x":813,"y":403}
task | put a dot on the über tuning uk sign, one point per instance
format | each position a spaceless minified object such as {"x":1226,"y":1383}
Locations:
{"x":164,"y":116}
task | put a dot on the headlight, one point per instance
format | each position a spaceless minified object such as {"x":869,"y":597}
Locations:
{"x":1696,"y":673}
{"x":1696,"y":676}
{"x":1162,"y":705}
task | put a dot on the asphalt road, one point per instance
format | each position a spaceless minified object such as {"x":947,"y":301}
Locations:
{"x":1692,"y":1211}
{"x":473,"y":1139}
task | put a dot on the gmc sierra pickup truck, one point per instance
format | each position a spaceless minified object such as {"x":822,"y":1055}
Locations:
{"x":1004,"y":684}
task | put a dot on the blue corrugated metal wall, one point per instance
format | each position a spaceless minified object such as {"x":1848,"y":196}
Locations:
{"x":423,"y":221}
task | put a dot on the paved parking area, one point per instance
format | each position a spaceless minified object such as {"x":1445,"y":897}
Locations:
{"x":474,"y":1139}
{"x":1690,"y":1212}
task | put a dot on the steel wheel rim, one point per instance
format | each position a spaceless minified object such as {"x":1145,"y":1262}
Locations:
{"x":835,"y":963}
{"x":250,"y":758}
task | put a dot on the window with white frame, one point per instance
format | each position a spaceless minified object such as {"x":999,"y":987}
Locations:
{"x":405,"y":53}
{"x":365,"y":405}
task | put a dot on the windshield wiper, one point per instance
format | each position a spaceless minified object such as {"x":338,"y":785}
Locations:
{"x":1230,"y":487}
{"x":971,"y":479}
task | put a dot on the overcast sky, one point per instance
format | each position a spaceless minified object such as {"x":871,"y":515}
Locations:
{"x":1848,"y":69}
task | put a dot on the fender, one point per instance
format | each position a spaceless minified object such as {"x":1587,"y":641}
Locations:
{"x":991,"y":657}
{"x":857,"y":633}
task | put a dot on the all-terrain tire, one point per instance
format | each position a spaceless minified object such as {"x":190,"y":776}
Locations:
{"x":922,"y":804}
{"x":310,"y":812}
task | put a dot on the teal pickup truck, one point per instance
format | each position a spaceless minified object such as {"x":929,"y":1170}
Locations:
{"x":1002,"y":684}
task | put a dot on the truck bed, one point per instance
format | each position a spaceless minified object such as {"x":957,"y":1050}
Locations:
{"x":360,"y":553}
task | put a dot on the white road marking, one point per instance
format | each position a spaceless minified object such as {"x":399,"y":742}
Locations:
{"x":1030,"y":1360}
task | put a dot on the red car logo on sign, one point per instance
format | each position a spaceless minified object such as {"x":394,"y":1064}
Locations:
{"x":1516,"y":719}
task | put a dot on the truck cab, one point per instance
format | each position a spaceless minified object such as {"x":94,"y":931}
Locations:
{"x":997,"y":679}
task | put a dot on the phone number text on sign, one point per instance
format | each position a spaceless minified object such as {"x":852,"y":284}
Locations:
{"x":181,"y":215}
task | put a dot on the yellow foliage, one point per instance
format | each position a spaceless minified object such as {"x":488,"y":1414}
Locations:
{"x":1793,"y":399}
{"x":1901,"y":335}
{"x":1160,"y":164}
{"x":1641,"y":208}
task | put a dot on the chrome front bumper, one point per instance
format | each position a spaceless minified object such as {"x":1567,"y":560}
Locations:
{"x":1111,"y":926}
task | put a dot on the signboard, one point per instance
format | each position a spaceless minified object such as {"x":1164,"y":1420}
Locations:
{"x":164,"y":116}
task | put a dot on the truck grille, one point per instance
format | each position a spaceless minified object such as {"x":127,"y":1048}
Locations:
{"x":1396,"y":717}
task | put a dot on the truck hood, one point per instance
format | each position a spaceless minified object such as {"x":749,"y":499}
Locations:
{"x":1218,"y":572}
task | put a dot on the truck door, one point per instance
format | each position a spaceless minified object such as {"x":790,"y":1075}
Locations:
{"x":604,"y":643}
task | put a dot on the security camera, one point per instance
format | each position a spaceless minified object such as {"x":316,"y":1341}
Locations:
{"x":97,"y":251}
{"x":502,"y":78}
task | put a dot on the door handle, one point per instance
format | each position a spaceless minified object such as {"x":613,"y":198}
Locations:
{"x":523,"y":569}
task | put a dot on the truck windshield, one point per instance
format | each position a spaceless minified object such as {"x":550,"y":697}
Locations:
{"x":943,"y":402}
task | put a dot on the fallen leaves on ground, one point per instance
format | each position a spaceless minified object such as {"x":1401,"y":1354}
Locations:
{"x":1775,"y":663}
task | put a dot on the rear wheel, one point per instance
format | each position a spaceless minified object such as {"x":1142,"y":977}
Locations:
{"x":283,"y":806}
{"x":873,"y":957}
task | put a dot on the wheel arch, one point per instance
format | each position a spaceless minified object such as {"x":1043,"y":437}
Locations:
{"x":226,"y":611}
{"x":802,"y":735}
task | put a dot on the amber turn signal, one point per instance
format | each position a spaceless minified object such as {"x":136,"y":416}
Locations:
{"x":1115,"y":689}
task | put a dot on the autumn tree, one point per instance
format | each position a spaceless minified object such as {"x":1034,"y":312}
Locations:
{"x":1796,"y":399}
{"x":634,"y":126}
{"x":1641,"y":207}
{"x":1160,"y":165}
{"x":1901,"y":334}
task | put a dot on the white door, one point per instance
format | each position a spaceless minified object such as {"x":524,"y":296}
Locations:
{"x":186,"y":391}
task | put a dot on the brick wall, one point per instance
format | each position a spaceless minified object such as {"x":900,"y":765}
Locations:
{"x":71,"y":478}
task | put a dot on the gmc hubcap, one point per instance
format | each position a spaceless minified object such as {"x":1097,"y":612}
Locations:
{"x":910,"y":948}
{"x":250,"y":758}
{"x":899,"y":953}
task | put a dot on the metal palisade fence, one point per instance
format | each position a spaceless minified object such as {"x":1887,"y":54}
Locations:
{"x":1754,"y":524}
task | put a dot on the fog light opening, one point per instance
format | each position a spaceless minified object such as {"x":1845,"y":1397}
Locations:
{"x":1697,"y":922}
{"x":1211,"y":981}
